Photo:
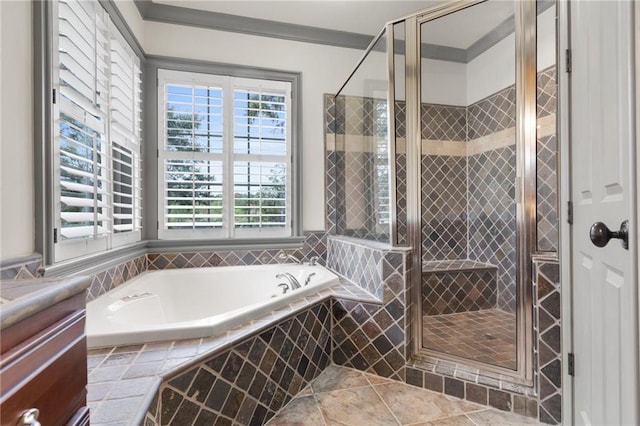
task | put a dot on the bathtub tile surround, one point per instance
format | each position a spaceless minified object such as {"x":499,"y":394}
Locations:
{"x":315,"y":244}
{"x":110,"y":278}
{"x":114,"y":371}
{"x":23,"y":268}
{"x":252,"y":380}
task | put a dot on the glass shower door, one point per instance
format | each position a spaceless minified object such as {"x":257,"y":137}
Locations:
{"x":468,"y":184}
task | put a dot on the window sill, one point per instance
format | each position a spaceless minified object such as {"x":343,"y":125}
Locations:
{"x":99,"y":261}
{"x":275,"y":243}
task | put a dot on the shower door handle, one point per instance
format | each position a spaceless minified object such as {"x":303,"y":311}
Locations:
{"x":600,"y":234}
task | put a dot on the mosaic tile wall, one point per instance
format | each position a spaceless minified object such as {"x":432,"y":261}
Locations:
{"x":372,"y":337}
{"x":492,"y":217}
{"x":359,"y":173}
{"x":549,"y":355}
{"x":455,"y":291}
{"x":358,"y":263}
{"x":444,"y":208}
{"x":375,"y":338}
{"x":547,"y":167}
{"x":114,"y":276}
{"x":249,"y":382}
{"x":440,"y":122}
{"x":22,"y":268}
{"x":315,"y":244}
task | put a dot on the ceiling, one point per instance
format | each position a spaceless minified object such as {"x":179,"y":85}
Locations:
{"x":355,"y":16}
{"x":363,"y":16}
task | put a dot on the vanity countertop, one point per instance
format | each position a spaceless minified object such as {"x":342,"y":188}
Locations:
{"x":23,"y":298}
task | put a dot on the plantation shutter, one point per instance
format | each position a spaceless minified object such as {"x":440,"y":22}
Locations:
{"x":260,"y":155}
{"x":192,"y":156}
{"x":126,"y":98}
{"x":225,"y":156}
{"x":83,"y":50}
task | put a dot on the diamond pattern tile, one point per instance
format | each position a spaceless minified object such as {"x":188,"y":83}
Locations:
{"x":547,"y":194}
{"x":547,"y":285}
{"x":252,"y":380}
{"x":444,"y":207}
{"x":456,"y":291}
{"x":401,"y":198}
{"x":444,"y":122}
{"x":358,"y":263}
{"x":401,"y":119}
{"x":492,"y":114}
{"x":112,"y":277}
{"x":22,"y":268}
{"x":487,"y":336}
{"x":546,"y":93}
{"x":492,"y":217}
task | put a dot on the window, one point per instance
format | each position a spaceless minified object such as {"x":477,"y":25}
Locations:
{"x":224,"y":157}
{"x":97,"y":132}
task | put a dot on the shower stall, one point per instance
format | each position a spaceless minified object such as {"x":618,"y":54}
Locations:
{"x":443,"y":141}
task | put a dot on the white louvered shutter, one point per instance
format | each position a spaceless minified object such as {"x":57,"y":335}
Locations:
{"x":261,"y":166}
{"x":83,"y":158}
{"x":97,"y":132}
{"x":225,"y":159}
{"x":125,"y":135}
{"x":192,"y":154}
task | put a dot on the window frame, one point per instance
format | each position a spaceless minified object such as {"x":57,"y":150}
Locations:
{"x":228,"y":157}
{"x":43,"y":131}
{"x":47,"y":99}
{"x":153,"y":200}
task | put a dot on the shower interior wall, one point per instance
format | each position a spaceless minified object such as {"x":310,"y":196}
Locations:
{"x":468,"y":186}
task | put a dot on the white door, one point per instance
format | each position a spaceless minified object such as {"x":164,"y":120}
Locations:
{"x":604,"y":285}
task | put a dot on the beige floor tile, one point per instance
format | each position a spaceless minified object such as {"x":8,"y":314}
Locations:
{"x":336,"y":377}
{"x":497,"y":418}
{"x":377,"y":380}
{"x":354,"y":407}
{"x":461,"y":420}
{"x":412,"y":405}
{"x":302,"y":411}
{"x":306,"y":391}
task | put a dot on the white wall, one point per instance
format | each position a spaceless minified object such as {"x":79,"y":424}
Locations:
{"x":495,"y":69}
{"x":16,"y":127}
{"x":323,"y":69}
{"x":444,"y":82}
{"x":131,"y":14}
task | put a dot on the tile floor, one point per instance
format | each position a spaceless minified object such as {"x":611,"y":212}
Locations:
{"x":343,"y":396}
{"x":487,"y":336}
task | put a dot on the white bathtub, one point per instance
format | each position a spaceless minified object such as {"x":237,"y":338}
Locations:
{"x":196,"y":302}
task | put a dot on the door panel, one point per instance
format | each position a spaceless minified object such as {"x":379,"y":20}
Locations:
{"x":604,"y":284}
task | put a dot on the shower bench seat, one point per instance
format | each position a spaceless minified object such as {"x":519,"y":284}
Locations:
{"x":455,"y":286}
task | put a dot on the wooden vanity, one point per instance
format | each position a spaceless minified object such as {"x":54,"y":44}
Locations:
{"x":43,"y":356}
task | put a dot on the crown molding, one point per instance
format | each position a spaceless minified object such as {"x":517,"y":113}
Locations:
{"x":168,"y":14}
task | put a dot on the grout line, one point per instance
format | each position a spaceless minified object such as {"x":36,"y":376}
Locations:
{"x":324,"y":421}
{"x":386,"y":405}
